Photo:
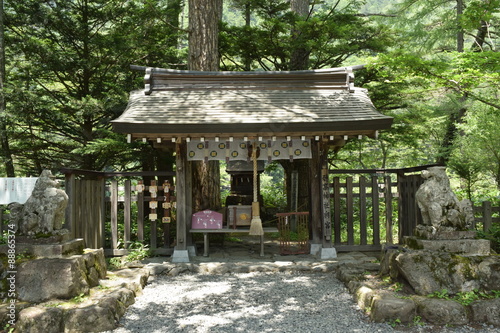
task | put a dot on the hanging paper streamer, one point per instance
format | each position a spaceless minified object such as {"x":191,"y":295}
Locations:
{"x":238,"y":150}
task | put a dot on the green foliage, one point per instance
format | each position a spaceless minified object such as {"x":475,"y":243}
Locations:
{"x":137,"y":251}
{"x":273,"y":187}
{"x":442,"y":294}
{"x":493,"y":235}
{"x":394,"y":322}
{"x":328,"y":36}
{"x":68,"y":76}
{"x":466,"y":298}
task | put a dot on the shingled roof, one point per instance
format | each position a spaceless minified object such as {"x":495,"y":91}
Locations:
{"x":178,"y":103}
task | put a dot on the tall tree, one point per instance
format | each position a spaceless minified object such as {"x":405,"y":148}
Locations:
{"x":72,"y":60}
{"x":204,"y":19}
{"x":329,"y":35}
{"x":6,"y":152}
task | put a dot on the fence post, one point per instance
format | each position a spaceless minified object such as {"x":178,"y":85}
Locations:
{"x":69,"y":220}
{"x":350,"y":211}
{"x":1,"y":219}
{"x":126,"y":213}
{"x":376,"y":211}
{"x":487,"y":220}
{"x":114,"y":214}
{"x":388,"y":210}
{"x":362,"y":211}
{"x":336,"y":211}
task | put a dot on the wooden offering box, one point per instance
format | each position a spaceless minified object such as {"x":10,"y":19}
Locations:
{"x":206,"y":219}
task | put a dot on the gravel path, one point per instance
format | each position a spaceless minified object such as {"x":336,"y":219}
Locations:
{"x":252,"y":302}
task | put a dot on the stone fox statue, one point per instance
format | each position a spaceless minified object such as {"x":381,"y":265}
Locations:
{"x":439,"y":205}
{"x":44,"y":210}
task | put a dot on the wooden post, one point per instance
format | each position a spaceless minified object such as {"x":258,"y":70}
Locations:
{"x":362,"y":211}
{"x":388,"y":210}
{"x":69,"y":221}
{"x":350,"y":211}
{"x":140,"y":214}
{"x":316,"y":202}
{"x":336,"y":211}
{"x":375,"y":209}
{"x":126,"y":213}
{"x":114,"y":214}
{"x":487,"y":220}
{"x":102,"y":212}
{"x":181,"y":174}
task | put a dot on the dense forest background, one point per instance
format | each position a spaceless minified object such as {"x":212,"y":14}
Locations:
{"x":432,"y":65}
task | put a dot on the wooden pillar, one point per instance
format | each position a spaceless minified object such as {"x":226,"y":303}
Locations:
{"x":183,"y":195}
{"x":181,"y":164}
{"x":320,"y":210}
{"x":315,"y":219}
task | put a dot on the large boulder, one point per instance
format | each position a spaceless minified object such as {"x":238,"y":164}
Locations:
{"x":93,"y":318}
{"x":431,"y":271}
{"x":37,"y":319}
{"x":441,"y":311}
{"x":486,"y":311}
{"x":386,"y":307}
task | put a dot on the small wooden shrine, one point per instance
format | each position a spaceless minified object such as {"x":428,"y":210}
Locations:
{"x":219,"y":115}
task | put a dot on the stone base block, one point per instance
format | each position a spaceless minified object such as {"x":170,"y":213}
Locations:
{"x":315,"y":249}
{"x":443,"y":233}
{"x":469,"y":247}
{"x":67,"y":248}
{"x":327,"y":253}
{"x":180,"y":256}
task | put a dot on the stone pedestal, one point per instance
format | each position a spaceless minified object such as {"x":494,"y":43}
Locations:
{"x":465,"y":247}
{"x":445,"y":239}
{"x":70,"y":247}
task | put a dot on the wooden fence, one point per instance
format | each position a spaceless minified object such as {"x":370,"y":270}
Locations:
{"x":375,"y":206}
{"x":113,"y":210}
{"x":486,"y":215}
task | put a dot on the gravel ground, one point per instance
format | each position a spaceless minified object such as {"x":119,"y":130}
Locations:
{"x":254,"y":302}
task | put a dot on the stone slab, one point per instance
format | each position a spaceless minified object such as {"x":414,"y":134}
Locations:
{"x":470,"y":247}
{"x":430,"y":233}
{"x":68,"y":248}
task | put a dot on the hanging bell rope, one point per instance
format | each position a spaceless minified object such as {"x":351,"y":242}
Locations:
{"x":256,"y":223}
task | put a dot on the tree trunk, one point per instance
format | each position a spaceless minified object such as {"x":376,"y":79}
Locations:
{"x":204,"y":17}
{"x":299,"y":58}
{"x":6,"y":152}
{"x":460,"y":30}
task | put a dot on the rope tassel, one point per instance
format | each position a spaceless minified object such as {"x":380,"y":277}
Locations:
{"x":256,"y":223}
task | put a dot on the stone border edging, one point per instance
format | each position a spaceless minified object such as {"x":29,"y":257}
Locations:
{"x":385,"y":306}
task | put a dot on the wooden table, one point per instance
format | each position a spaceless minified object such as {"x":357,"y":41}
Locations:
{"x":205,"y":233}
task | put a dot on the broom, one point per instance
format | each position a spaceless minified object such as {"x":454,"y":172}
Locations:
{"x":256,"y":223}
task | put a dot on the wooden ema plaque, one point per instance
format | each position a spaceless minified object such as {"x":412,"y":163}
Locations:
{"x":206,"y":219}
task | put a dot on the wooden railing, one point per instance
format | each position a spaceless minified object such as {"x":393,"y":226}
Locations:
{"x":296,"y":223}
